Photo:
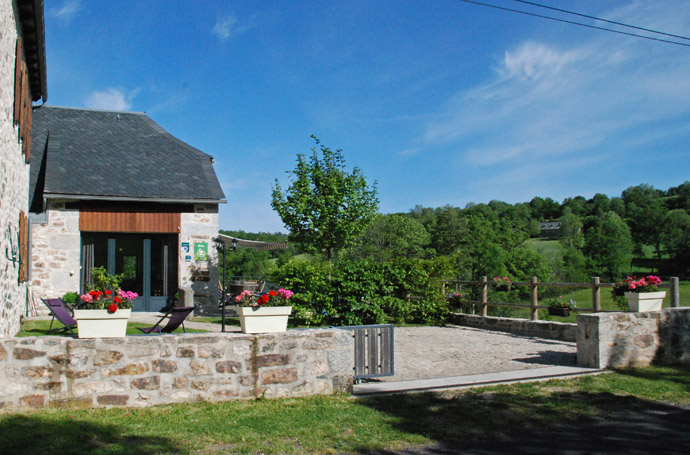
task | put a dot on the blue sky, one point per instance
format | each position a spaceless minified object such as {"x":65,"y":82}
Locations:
{"x":439,"y":102}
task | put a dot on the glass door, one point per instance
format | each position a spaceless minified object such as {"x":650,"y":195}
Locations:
{"x":148,"y":263}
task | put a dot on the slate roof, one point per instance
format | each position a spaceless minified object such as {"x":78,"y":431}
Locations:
{"x":111,"y":155}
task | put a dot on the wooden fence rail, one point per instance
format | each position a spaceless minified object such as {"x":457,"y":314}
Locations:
{"x":596,"y":285}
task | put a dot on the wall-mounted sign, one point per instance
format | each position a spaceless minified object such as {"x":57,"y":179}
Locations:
{"x":185,"y":247}
{"x":188,"y":258}
{"x":201,"y":251}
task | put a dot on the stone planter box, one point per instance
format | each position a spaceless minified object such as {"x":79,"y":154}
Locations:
{"x":565,"y":312}
{"x":265,"y":319}
{"x":101,"y":324}
{"x":644,"y":302}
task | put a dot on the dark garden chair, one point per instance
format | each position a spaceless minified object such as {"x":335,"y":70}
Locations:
{"x":175,"y":317}
{"x":59,"y":311}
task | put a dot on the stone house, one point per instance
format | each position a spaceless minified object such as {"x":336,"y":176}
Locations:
{"x":550,"y":229}
{"x":114,"y":189}
{"x":22,"y":81}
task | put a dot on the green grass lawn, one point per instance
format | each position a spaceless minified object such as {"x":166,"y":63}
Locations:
{"x":39,"y":328}
{"x":574,"y":409}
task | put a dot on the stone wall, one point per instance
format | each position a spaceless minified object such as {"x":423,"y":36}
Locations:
{"x":55,"y":254}
{"x":543,"y":329}
{"x":609,"y":340}
{"x":139,"y":371}
{"x":201,"y":277}
{"x":14,"y":181}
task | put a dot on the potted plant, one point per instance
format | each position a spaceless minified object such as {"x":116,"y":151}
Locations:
{"x":559,"y":306}
{"x":639,"y":295}
{"x":105,"y":308}
{"x":264,"y":313}
{"x":502,"y":283}
{"x":457,"y":301}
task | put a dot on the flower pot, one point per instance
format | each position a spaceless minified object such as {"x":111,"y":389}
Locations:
{"x":644,"y":302}
{"x":101,"y":324}
{"x":503,"y":288}
{"x":264,"y":319}
{"x":559,"y":311}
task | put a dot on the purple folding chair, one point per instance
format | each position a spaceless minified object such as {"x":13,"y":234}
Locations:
{"x":60,"y":312}
{"x":175,"y":316}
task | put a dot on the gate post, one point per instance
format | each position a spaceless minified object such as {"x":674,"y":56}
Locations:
{"x":534,"y":298}
{"x":675,"y":292}
{"x":484,"y":296}
{"x":596,"y":295}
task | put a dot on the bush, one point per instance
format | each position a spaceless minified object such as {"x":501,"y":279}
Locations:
{"x":71,"y":297}
{"x":355,"y":292}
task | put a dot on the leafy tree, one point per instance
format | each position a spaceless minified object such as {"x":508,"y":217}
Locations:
{"x":391,"y":236}
{"x":545,"y":209}
{"x":449,"y":230}
{"x":679,"y":196}
{"x":571,"y":230}
{"x":645,"y":213}
{"x":608,"y":244}
{"x":676,"y":240}
{"x":325,"y":207}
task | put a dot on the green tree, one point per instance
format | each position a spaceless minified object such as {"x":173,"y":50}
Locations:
{"x":449,"y":230}
{"x":325,"y":208}
{"x":608,"y":244}
{"x":391,"y":236}
{"x":571,"y":230}
{"x":645,"y":213}
{"x":676,"y":240}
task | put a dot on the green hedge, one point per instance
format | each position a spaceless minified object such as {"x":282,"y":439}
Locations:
{"x":353,"y":292}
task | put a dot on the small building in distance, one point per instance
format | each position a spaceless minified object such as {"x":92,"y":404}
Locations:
{"x":550,"y":229}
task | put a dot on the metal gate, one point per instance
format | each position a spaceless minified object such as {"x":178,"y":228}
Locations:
{"x":373,"y":350}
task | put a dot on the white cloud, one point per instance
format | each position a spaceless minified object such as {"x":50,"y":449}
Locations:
{"x":229,"y":26}
{"x":111,"y":99}
{"x":67,"y":11}
{"x":551,"y":100}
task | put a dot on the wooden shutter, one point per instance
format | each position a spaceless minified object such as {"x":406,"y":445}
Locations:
{"x":18,"y":71}
{"x":23,"y":247}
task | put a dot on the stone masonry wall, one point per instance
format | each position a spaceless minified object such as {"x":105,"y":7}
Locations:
{"x":137,"y":371}
{"x":14,"y":181}
{"x":201,"y":277}
{"x":609,"y":340}
{"x":55,"y":254}
{"x":544,"y":329}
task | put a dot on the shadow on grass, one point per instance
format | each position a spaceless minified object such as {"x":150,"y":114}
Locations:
{"x":32,"y":434}
{"x":679,"y":374}
{"x":525,"y":423}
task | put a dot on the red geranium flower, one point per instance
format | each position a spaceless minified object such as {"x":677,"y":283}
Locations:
{"x":272,"y":293}
{"x":112,"y":308}
{"x":108,"y":292}
{"x":263,"y":299}
{"x":117,"y":300}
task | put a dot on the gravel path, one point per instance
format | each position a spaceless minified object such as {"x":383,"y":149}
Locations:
{"x":435,"y":352}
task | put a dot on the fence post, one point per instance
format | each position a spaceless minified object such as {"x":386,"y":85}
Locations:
{"x":534,"y":298}
{"x":675,"y":292}
{"x":596,"y":295}
{"x":484,"y":296}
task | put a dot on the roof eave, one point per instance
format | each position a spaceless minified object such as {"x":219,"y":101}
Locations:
{"x":83,"y":197}
{"x":33,"y":33}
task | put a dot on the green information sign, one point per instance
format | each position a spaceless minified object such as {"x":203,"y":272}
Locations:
{"x":201,"y":251}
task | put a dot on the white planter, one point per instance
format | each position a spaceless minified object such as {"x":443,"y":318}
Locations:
{"x":101,"y":324}
{"x":265,"y":319}
{"x":644,"y":302}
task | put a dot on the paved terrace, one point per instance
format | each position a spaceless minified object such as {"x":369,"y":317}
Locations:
{"x":454,"y":356}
